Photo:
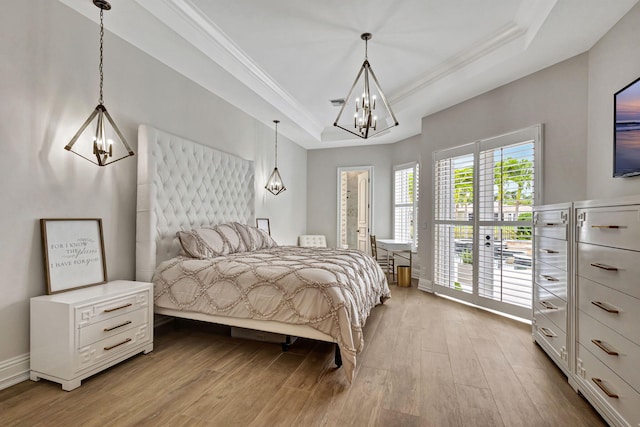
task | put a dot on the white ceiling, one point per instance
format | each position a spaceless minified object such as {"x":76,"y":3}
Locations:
{"x":285,"y":59}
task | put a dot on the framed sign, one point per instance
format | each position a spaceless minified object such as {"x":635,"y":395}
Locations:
{"x":263,"y":224}
{"x":73,"y":253}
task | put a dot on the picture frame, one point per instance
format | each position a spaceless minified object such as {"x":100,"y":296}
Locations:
{"x":263,"y":224}
{"x":73,"y":252}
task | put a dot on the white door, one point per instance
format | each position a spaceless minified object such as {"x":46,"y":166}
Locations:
{"x":363,"y":211}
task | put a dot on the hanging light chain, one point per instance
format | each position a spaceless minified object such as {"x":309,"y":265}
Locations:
{"x":276,"y":122}
{"x":100,"y":101}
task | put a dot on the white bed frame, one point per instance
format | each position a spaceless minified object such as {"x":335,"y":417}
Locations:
{"x":184,"y":185}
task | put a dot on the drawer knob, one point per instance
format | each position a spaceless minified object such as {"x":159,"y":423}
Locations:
{"x":111,"y":347}
{"x":109,"y":310}
{"x":128,"y":322}
{"x":605,"y":307}
{"x":602,"y":346}
{"x":604,"y":266}
{"x":604,"y":388}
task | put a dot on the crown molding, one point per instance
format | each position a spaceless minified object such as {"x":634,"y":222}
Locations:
{"x":192,"y":24}
{"x":519,"y":33}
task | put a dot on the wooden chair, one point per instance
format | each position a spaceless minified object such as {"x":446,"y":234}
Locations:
{"x":387,"y":262}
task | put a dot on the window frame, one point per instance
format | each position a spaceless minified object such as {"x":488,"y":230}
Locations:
{"x":416,"y":174}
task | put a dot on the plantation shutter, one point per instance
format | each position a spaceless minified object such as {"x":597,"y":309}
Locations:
{"x":405,"y":195}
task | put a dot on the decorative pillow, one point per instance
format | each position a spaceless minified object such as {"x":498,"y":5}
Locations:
{"x":254,"y":238}
{"x":207,"y":242}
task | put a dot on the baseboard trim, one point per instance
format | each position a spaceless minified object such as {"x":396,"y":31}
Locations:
{"x":425,"y":285}
{"x":14,"y":371}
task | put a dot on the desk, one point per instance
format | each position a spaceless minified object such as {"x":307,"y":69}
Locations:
{"x":396,"y":248}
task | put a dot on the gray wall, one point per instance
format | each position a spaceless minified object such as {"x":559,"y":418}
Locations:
{"x":555,"y":96}
{"x":614,"y":62}
{"x":49,"y":86}
{"x":322,"y":183}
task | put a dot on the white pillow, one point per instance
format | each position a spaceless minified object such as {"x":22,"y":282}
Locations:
{"x":222,"y":239}
{"x":254,"y":238}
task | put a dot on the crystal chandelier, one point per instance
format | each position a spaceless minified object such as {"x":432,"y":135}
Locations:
{"x":100,"y":148}
{"x":367,"y":121}
{"x":275,"y":185}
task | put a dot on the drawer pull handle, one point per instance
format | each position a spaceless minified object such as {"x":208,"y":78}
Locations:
{"x":605,"y":226}
{"x":109,"y":310}
{"x":604,"y":266}
{"x":605,"y":307}
{"x":551,"y":224}
{"x":111,"y":347}
{"x":547,"y":332}
{"x":604,"y":388}
{"x":548,"y":305}
{"x":602,"y":346}
{"x":128,"y":322}
{"x":549,"y":251}
{"x":550,"y":278}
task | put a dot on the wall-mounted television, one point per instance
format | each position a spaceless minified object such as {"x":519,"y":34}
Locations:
{"x":626,"y":148}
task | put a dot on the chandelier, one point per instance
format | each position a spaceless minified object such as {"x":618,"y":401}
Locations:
{"x":275,"y":185}
{"x":100,"y":147}
{"x":367,"y":120}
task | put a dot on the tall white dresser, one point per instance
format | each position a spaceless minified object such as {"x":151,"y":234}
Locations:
{"x":552,"y":291}
{"x":607,"y":267}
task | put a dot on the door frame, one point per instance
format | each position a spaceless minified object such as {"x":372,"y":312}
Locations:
{"x":341,"y":169}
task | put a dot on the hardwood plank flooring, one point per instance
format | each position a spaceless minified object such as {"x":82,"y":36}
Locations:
{"x":427,"y":361}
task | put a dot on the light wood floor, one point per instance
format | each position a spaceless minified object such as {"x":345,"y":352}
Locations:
{"x":427,"y":361}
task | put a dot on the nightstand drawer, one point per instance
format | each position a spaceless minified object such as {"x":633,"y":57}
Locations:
{"x":93,"y":332}
{"x":612,"y":226}
{"x":111,"y":347}
{"x":110,"y":308}
{"x":615,"y":268}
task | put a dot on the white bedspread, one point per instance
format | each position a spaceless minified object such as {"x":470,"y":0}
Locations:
{"x":330,"y":290}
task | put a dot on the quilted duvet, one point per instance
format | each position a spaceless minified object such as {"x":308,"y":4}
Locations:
{"x":330,"y":290}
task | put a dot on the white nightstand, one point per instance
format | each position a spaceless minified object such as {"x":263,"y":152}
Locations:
{"x":78,"y":333}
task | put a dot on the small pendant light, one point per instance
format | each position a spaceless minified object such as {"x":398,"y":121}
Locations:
{"x":100,"y":148}
{"x":275,"y":185}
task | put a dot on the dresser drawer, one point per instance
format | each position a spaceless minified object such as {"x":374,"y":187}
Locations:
{"x":544,"y":329}
{"x":554,"y":308}
{"x":552,"y":252}
{"x":105,"y":349}
{"x":618,"y":311}
{"x":551,"y":278}
{"x":611,"y":226}
{"x":616,"y":268}
{"x":613,"y":390}
{"x":93,"y":332}
{"x":552,"y":223}
{"x":618,"y":353}
{"x":109,"y":308}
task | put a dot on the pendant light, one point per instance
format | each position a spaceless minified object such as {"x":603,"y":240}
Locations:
{"x":101,"y":146}
{"x":275,"y":185}
{"x":367,"y":120}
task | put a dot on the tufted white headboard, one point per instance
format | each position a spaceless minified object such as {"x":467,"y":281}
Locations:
{"x":184,"y":185}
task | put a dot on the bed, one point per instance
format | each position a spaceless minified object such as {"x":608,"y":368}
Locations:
{"x":189,"y":190}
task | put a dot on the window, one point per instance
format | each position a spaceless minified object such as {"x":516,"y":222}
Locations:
{"x":405,"y":205}
{"x":484,"y":194}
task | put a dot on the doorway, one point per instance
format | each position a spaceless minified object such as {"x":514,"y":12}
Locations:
{"x":354,"y":207}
